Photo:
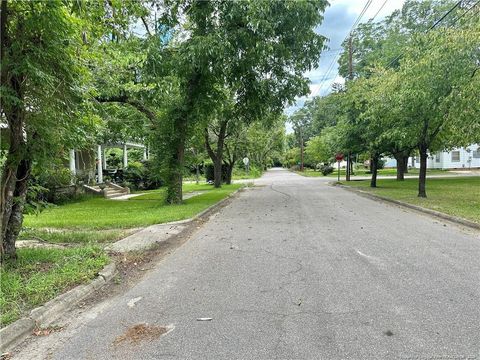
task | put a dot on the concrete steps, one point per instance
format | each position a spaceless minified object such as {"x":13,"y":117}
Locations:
{"x":109,"y":191}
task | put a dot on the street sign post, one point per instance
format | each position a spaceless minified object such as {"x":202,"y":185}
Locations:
{"x":339,"y":157}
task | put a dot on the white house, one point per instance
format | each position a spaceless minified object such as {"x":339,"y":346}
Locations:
{"x":459,"y":158}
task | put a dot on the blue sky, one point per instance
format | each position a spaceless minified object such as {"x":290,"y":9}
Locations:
{"x":338,"y":20}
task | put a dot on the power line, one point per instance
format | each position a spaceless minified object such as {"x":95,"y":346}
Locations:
{"x":444,"y":16}
{"x":367,"y":5}
{"x":436,"y":23}
{"x":470,"y":8}
{"x":335,"y":59}
{"x":381,"y":7}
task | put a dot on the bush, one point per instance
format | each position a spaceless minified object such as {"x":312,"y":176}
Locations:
{"x":326,"y":169}
{"x":47,"y":185}
{"x":141,"y":176}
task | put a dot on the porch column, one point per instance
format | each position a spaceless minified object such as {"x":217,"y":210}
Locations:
{"x":104,"y":158}
{"x":73,"y":169}
{"x":125,"y":156}
{"x":99,"y":164}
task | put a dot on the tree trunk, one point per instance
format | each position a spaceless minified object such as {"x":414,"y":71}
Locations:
{"x":228,"y":180}
{"x":9,"y":180}
{"x":422,"y":177}
{"x":197,"y":174}
{"x":175,"y":175}
{"x":405,"y":164}
{"x":9,"y":203}
{"x":217,"y":172}
{"x":347,"y":168}
{"x":181,"y":126}
{"x":374,"y":164}
{"x":400,"y":166}
{"x":217,"y":156}
{"x":16,"y":216}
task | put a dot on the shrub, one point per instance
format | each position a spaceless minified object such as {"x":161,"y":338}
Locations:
{"x":326,"y":169}
{"x":141,"y":176}
{"x":47,"y":185}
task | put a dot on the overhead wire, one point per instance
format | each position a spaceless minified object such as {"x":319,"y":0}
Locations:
{"x":367,"y":5}
{"x":335,"y":58}
{"x":457,"y":4}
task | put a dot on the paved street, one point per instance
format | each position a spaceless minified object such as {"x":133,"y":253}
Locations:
{"x":297,"y":269}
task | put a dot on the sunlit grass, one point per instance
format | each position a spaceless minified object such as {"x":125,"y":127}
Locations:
{"x":148,"y":209}
{"x":40,"y":274}
{"x":457,"y":196}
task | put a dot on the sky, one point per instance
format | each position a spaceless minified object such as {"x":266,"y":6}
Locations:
{"x":338,"y":20}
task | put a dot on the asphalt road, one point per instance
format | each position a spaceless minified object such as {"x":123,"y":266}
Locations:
{"x":297,"y":269}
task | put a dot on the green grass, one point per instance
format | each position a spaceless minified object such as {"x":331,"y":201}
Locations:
{"x":363,"y":172}
{"x":99,"y":213}
{"x":40,"y":274}
{"x":241,"y":174}
{"x":459,"y":196}
{"x":73,"y":236}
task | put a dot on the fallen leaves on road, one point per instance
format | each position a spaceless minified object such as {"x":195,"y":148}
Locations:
{"x":141,"y":332}
{"x":46,"y":331}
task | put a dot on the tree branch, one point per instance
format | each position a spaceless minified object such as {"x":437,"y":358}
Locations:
{"x":124,"y":99}
{"x":146,"y":25}
{"x":210,"y":151}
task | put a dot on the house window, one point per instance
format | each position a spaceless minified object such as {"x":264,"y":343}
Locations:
{"x":455,"y":156}
{"x":437,"y":157}
{"x":476,"y":154}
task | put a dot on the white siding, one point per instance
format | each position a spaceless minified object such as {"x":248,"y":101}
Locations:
{"x":466,"y":159}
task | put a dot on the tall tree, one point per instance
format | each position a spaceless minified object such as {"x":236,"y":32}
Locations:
{"x":436,"y":71}
{"x":39,"y":80}
{"x":257,"y":50}
{"x":43,"y":74}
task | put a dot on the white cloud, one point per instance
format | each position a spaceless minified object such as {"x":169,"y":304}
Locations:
{"x":339,"y":18}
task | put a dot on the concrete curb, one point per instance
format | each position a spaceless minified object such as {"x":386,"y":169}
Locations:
{"x":42,"y":316}
{"x":211,"y":208}
{"x":217,"y":205}
{"x":437,"y":214}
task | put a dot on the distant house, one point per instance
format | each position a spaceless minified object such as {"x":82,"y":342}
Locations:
{"x":458,"y":158}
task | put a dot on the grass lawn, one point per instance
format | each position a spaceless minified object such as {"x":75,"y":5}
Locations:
{"x":363,"y":172}
{"x":41,"y":274}
{"x":238,"y":174}
{"x":241,"y":174}
{"x":94,"y":213}
{"x":459,"y":196}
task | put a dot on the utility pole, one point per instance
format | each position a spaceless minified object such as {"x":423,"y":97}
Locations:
{"x":350,"y":77}
{"x":301,"y":148}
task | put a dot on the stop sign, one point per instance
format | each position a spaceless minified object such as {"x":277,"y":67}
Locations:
{"x":339,"y":157}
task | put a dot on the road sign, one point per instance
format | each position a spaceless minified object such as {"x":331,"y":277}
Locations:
{"x":339,"y":157}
